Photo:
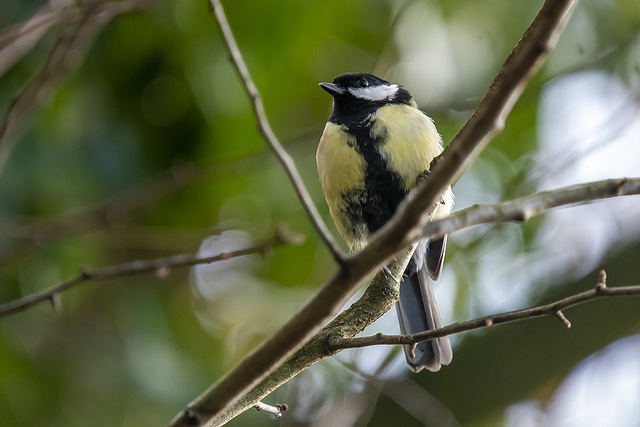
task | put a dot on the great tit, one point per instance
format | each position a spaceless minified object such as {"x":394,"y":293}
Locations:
{"x":374,"y":148}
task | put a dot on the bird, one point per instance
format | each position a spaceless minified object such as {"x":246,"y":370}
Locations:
{"x":376,"y":146}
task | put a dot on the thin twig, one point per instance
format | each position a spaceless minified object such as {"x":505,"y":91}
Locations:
{"x":276,"y":409}
{"x":265,"y":129}
{"x":264,"y":359}
{"x":552,"y":309}
{"x":160,"y":266}
{"x":18,"y":39}
{"x":560,"y":315}
{"x":72,"y":44}
{"x":26,"y":101}
{"x":27,"y":231}
{"x":524,"y":208}
{"x":109,"y":211}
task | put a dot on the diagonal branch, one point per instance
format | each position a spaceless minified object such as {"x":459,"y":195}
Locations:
{"x":265,"y":129}
{"x":382,"y":294}
{"x":160,"y":266}
{"x":521,"y":64}
{"x":553,"y":309}
{"x":18,"y":39}
{"x":377,"y":299}
{"x":488,"y":119}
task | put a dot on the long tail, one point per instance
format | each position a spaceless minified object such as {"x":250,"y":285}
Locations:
{"x":418,"y":311}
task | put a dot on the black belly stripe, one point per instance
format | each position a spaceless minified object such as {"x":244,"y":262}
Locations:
{"x":374,"y":205}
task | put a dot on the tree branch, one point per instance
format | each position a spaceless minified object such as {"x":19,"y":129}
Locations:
{"x":66,"y":53}
{"x":160,"y":266}
{"x":265,"y":129}
{"x":485,"y":122}
{"x":524,"y":208}
{"x":553,"y":309}
{"x":28,"y":231}
{"x":104,"y":212}
{"x":377,"y":299}
{"x":381,"y":295}
{"x":524,"y":60}
{"x":18,"y":39}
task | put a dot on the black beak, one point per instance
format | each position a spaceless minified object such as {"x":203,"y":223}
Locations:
{"x":332,"y":88}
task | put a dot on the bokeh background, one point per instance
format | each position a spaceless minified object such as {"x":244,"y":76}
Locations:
{"x":145,"y":146}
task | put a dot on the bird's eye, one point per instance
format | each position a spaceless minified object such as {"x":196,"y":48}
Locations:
{"x":363,"y":83}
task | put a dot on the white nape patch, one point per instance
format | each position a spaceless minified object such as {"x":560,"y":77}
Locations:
{"x":374,"y":93}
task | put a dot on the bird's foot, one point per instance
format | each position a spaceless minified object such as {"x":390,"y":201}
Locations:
{"x":423,"y":177}
{"x":389,"y":274}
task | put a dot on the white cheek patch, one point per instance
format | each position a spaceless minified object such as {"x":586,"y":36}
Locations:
{"x":375,"y":93}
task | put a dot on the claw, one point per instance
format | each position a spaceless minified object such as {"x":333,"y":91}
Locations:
{"x":389,"y":275}
{"x":423,"y":176}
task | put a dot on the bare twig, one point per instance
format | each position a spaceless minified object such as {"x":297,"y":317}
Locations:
{"x":487,"y":119}
{"x":526,"y":207}
{"x":26,"y":231}
{"x":18,"y":39}
{"x":105,"y":212}
{"x":552,"y":309}
{"x":26,"y":101}
{"x":276,"y":409}
{"x":265,"y":129}
{"x":64,"y":56}
{"x":160,"y":266}
{"x":560,"y":315}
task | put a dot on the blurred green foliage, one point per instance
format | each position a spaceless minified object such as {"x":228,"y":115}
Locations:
{"x":155,"y":92}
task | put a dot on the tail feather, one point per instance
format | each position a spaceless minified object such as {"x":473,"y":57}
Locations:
{"x":417,"y":312}
{"x":435,"y":257}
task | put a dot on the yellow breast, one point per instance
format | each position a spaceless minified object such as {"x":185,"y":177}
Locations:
{"x":411,"y":140}
{"x":406,"y":139}
{"x":341,"y":169}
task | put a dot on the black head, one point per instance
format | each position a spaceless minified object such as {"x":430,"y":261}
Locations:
{"x":361,"y":93}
